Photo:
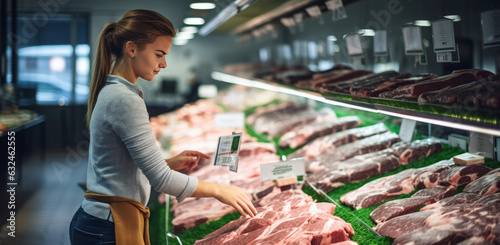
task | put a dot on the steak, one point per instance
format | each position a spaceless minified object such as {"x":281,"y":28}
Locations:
{"x":339,"y":76}
{"x":451,"y":96}
{"x":418,"y":149}
{"x":390,"y":85}
{"x":460,"y":198}
{"x":307,"y":133}
{"x":367,"y":87}
{"x":343,"y":86}
{"x":386,"y":188}
{"x":284,"y":220}
{"x":460,"y":175}
{"x":403,"y":206}
{"x":317,"y":146}
{"x":486,"y":185}
{"x":451,"y":80}
{"x":366,"y":145}
{"x":271,"y":112}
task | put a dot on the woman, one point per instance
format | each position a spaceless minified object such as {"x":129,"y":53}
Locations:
{"x":124,"y":160}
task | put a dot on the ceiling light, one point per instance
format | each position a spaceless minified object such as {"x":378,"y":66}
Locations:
{"x":422,"y":23}
{"x":366,"y":32}
{"x":194,"y":21}
{"x":454,"y":17}
{"x":202,"y":6}
{"x":180,"y":41}
{"x":331,"y":38}
{"x":184,"y":35}
{"x":189,"y":29}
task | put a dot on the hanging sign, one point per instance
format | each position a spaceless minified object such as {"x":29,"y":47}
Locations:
{"x":443,"y":35}
{"x":490,"y":22}
{"x":412,"y":36}
{"x":380,"y":43}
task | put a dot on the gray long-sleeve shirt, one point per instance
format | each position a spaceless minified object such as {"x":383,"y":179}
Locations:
{"x":124,"y":159}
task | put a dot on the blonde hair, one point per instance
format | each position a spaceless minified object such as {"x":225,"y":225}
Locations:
{"x":139,"y":26}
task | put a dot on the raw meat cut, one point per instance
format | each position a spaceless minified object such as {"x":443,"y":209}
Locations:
{"x":282,"y":219}
{"x":451,"y":80}
{"x":392,"y":84}
{"x":460,"y":175}
{"x":343,"y":86}
{"x":317,"y":146}
{"x":486,"y":185}
{"x":403,"y":206}
{"x":389,"y":187}
{"x":366,"y":145}
{"x":418,"y":149}
{"x":403,"y":224}
{"x":457,"y":223}
{"x":306,"y":133}
{"x":365,"y":89}
{"x":460,"y":198}
{"x":274,"y":109}
{"x":282,"y":121}
{"x":451,"y":96}
{"x":339,"y":76}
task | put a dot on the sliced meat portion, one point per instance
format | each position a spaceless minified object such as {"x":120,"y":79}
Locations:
{"x":290,"y":121}
{"x":317,"y":146}
{"x":269,"y":110}
{"x":403,"y":206}
{"x":451,"y":96}
{"x":461,"y":175}
{"x":365,"y":89}
{"x":392,"y":84}
{"x":486,"y":185}
{"x":403,"y":224}
{"x":389,"y":187}
{"x":339,"y":76}
{"x":366,"y":145}
{"x":307,"y":133}
{"x":460,"y":198}
{"x":344,"y":86}
{"x":420,"y":148}
{"x":451,"y":80}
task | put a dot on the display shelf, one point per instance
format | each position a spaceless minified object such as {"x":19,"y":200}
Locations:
{"x":484,"y":127}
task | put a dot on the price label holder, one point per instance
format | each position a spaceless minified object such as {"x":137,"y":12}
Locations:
{"x":412,"y":36}
{"x":337,"y":7}
{"x":228,"y":151}
{"x":230,"y":120}
{"x":407,"y":130}
{"x":282,"y":170}
{"x":443,"y":35}
{"x":490,"y":22}
{"x":482,"y":144}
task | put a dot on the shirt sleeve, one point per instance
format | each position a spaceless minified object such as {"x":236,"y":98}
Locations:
{"x":130,"y":121}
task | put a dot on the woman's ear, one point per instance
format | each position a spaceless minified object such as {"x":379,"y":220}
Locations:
{"x":130,"y":49}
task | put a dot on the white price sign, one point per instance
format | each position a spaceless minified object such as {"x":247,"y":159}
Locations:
{"x":412,"y":36}
{"x":228,"y":151}
{"x":482,"y":144}
{"x":490,"y":22}
{"x":281,"y":170}
{"x":380,"y":43}
{"x":407,"y":129}
{"x":230,"y":120}
{"x":443,"y":35}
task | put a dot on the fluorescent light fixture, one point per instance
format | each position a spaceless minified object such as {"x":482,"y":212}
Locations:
{"x":331,"y":38}
{"x":194,"y":21}
{"x":202,"y":6}
{"x":366,"y":32}
{"x":189,"y":29}
{"x":422,"y":23}
{"x":454,"y":17}
{"x":179,"y":42}
{"x":184,"y":35}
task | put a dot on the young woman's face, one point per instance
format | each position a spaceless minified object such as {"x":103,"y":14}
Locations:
{"x":151,"y":58}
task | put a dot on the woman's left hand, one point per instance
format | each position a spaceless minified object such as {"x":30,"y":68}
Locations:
{"x":186,"y":160}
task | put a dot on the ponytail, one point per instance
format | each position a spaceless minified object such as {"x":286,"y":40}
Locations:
{"x":141,"y":27}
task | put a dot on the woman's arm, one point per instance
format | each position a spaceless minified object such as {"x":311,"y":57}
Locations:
{"x":230,"y":195}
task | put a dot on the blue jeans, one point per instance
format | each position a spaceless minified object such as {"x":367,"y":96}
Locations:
{"x":87,"y":229}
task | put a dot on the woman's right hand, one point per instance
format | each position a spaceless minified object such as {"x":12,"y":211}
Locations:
{"x":231,"y":195}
